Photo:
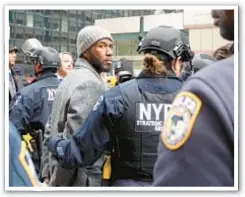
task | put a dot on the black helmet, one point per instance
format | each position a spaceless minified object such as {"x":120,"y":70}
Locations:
{"x":30,"y":45}
{"x":124,"y":65}
{"x":168,"y":41}
{"x":201,"y":60}
{"x":124,"y":76}
{"x":47,"y":57}
{"x":118,"y":67}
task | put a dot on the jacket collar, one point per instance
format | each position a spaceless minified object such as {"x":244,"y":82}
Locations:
{"x":44,"y":75}
{"x":82,"y":63}
{"x":145,"y":74}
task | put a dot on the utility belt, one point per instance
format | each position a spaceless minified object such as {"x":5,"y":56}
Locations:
{"x":111,"y":171}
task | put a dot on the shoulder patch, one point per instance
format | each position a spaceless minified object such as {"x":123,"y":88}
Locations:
{"x":181,"y":118}
{"x":27,"y":164}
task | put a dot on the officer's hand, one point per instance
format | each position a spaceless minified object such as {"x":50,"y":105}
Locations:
{"x":42,"y":184}
{"x":46,"y":180}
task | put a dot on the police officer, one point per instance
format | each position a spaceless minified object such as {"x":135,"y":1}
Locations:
{"x":124,"y":76}
{"x":197,"y":142}
{"x":31,"y":107}
{"x":128,"y":116}
{"x":124,"y":70}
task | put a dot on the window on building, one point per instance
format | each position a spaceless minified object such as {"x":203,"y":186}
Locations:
{"x":125,"y":13}
{"x":80,"y":15}
{"x":56,"y":37}
{"x":121,"y":12}
{"x":47,"y":22}
{"x":130,"y":12}
{"x":88,"y":17}
{"x":63,"y":41}
{"x":48,"y":12}
{"x":38,"y":21}
{"x":94,"y":16}
{"x":72,"y":38}
{"x":12,"y":42}
{"x":100,"y":16}
{"x":58,"y":13}
{"x":72,"y":25}
{"x":39,"y":34}
{"x":56,"y":24}
{"x":56,"y":46}
{"x":20,"y":18}
{"x":72,"y":14}
{"x":63,"y":48}
{"x":29,"y":32}
{"x":48,"y":36}
{"x":12,"y":31}
{"x":11,"y":17}
{"x":80,"y":25}
{"x":18,"y":43}
{"x":29,"y":19}
{"x":64,"y":24}
{"x":19,"y":32}
{"x":38,"y":11}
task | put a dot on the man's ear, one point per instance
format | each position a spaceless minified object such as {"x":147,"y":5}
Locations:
{"x":85,"y":54}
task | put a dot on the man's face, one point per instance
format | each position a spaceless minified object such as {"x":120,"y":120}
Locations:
{"x":12,"y":58}
{"x":66,"y":64}
{"x":100,"y":55}
{"x":225,"y":20}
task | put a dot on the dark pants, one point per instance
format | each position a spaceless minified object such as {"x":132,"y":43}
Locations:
{"x":130,"y":183}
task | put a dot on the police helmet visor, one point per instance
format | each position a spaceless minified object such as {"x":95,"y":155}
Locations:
{"x":30,"y":45}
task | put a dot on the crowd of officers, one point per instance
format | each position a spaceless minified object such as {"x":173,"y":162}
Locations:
{"x":172,"y":125}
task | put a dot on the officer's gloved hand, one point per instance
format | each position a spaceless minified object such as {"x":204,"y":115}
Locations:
{"x":52,"y":147}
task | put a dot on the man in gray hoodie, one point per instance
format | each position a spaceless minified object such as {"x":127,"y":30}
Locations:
{"x":74,"y":99}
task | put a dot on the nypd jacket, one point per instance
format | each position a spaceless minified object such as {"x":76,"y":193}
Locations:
{"x":32,"y":105}
{"x":197,"y":145}
{"x":129,"y":116}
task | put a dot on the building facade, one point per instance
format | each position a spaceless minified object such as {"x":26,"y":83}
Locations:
{"x":57,"y":28}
